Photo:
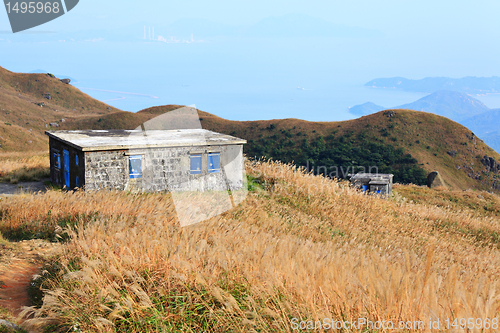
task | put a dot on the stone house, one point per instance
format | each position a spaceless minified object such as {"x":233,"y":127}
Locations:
{"x":375,"y":183}
{"x":156,"y":160}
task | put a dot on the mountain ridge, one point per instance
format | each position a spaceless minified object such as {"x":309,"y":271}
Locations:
{"x":450,"y":104}
{"x":456,"y":106}
{"x":469,"y":84}
{"x":407,"y":142}
{"x":30,"y":102}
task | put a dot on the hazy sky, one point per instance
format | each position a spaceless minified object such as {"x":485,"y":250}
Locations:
{"x":432,"y":18}
{"x":420,"y":39}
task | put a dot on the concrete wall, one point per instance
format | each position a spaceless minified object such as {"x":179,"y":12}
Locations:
{"x":105,"y":169}
{"x":383,"y":188}
{"x":164,"y":169}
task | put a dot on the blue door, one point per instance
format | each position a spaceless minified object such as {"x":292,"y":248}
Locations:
{"x":66,"y":169}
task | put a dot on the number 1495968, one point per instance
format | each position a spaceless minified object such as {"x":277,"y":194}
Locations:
{"x":33,"y":7}
{"x":472,"y":323}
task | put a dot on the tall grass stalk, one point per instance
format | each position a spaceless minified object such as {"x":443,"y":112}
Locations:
{"x":306,"y":247}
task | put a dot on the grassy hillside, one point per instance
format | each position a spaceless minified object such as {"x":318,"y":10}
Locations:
{"x":299,"y":248}
{"x":25,"y":112}
{"x":460,"y":107}
{"x":407,"y":143}
{"x":383,"y":139}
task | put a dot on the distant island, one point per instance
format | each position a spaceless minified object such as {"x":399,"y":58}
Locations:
{"x":365,"y":109}
{"x":450,"y":104}
{"x":469,"y":84}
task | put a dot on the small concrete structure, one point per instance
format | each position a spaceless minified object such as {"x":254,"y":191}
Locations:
{"x":375,"y":183}
{"x":156,"y":160}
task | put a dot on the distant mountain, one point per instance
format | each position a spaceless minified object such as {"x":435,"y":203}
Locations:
{"x":469,"y":84}
{"x":300,"y":25}
{"x":365,"y":109}
{"x":487,"y":122}
{"x":288,"y":26}
{"x":450,"y":104}
{"x":492,"y":139}
{"x":460,"y":107}
{"x":487,"y":126}
{"x":291,"y":25}
{"x":200,"y":28}
{"x":464,"y":109}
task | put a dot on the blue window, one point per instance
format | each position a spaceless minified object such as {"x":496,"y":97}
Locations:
{"x":57,"y":160}
{"x":135,"y":166}
{"x":213,"y":165}
{"x":77,"y":181}
{"x":195,"y":164}
{"x":76,"y":160}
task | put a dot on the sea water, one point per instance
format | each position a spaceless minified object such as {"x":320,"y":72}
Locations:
{"x":311,"y":79}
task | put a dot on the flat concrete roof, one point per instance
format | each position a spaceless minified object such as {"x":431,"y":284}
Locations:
{"x":372,"y":175}
{"x":93,"y":140}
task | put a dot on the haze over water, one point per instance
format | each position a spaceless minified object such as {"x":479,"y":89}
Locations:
{"x":312,"y":78}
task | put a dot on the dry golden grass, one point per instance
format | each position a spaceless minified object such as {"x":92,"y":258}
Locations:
{"x":305,"y":247}
{"x":16,"y":167}
{"x":479,"y":203}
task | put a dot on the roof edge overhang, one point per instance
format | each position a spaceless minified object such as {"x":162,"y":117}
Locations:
{"x":145,"y":146}
{"x":52,"y":136}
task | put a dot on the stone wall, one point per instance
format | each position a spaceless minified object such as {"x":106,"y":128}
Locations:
{"x":105,"y":169}
{"x":164,"y":169}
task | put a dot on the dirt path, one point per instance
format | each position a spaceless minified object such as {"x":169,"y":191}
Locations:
{"x":23,"y":187}
{"x":18,"y":263}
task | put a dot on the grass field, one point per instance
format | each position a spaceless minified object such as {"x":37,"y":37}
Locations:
{"x":299,"y":248}
{"x":16,"y":167}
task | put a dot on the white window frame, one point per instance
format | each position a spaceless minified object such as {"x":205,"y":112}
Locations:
{"x":212,"y":170}
{"x":134,"y":175}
